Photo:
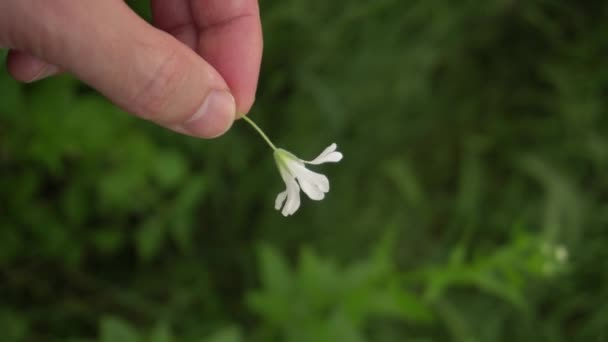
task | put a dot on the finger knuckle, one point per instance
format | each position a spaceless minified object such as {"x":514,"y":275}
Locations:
{"x":160,"y":85}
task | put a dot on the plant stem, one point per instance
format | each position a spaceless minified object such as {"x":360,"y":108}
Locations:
{"x":259,"y":130}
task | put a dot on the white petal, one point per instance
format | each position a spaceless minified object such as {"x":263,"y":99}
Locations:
{"x":329,"y":155}
{"x":278,"y":203}
{"x":315,"y":185}
{"x":293,"y":200}
{"x":292,"y":193}
{"x":313,"y":192}
{"x":304,"y":175}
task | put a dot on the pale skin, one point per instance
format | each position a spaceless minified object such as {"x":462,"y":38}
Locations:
{"x":191,"y":71}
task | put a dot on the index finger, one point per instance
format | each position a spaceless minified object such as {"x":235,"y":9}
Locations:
{"x":230,"y":39}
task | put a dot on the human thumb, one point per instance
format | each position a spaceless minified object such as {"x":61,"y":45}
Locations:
{"x":138,"y":67}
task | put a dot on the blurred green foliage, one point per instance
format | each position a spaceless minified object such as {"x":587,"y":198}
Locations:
{"x":471,"y":204}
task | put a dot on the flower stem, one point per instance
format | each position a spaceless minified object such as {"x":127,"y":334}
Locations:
{"x":259,"y":130}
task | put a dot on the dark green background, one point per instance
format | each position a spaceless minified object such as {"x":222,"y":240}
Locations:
{"x":471,"y":205}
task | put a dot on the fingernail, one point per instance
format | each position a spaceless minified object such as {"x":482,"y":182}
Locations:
{"x":45,"y":72}
{"x":214,"y":117}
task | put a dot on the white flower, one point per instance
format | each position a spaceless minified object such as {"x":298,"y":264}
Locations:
{"x":296,"y":176}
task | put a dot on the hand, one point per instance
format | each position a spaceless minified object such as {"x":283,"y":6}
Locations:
{"x":191,"y":74}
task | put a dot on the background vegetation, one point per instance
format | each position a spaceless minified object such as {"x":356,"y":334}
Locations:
{"x":472,"y":203}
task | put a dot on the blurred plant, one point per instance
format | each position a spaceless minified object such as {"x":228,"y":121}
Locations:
{"x":483,"y":150}
{"x":320,"y":301}
{"x":116,"y":330}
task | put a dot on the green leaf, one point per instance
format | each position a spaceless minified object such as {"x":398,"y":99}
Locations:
{"x":401,"y":174}
{"x":184,"y":214}
{"x":275,"y":273}
{"x":340,"y":328}
{"x":170,"y":168}
{"x":149,"y":238}
{"x":318,"y":278}
{"x":399,"y":303}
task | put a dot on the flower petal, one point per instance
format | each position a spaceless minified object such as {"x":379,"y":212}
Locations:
{"x":312,"y":191}
{"x":278,"y":203}
{"x":292,"y":193}
{"x":329,"y":155}
{"x":293,"y":200}
{"x":315,"y":185}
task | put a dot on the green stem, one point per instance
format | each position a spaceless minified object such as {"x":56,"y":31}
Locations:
{"x":259,"y":130}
